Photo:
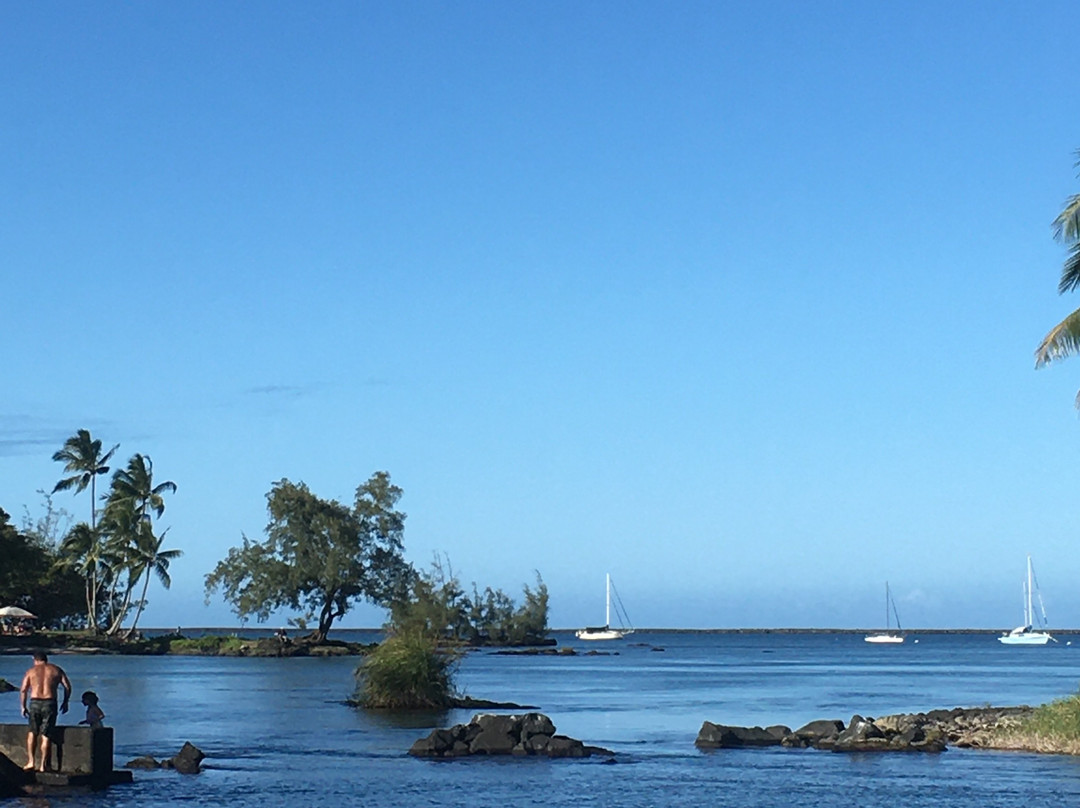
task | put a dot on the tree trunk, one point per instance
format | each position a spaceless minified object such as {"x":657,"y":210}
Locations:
{"x":142,"y":605}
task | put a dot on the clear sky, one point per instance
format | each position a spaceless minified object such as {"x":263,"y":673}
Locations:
{"x":735,"y":301}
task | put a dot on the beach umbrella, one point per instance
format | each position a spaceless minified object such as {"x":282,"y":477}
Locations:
{"x":15,"y":611}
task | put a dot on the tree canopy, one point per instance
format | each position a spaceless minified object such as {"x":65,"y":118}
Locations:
{"x":319,"y":556}
{"x":1064,"y":339}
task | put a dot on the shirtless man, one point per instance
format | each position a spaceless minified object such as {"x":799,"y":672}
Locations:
{"x":39,"y":686}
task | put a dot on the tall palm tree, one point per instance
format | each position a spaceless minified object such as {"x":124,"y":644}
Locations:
{"x":82,"y":458}
{"x":82,"y":455}
{"x":135,"y":484}
{"x":133,"y":503}
{"x":1064,"y":339}
{"x":150,"y":558}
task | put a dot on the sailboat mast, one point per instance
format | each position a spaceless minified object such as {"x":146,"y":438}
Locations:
{"x":886,"y":605}
{"x":607,"y":611}
{"x":1028,"y":616}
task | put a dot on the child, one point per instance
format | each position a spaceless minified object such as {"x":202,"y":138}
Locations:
{"x":94,"y":714}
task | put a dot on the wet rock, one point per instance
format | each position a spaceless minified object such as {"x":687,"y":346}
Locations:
{"x":513,"y":735}
{"x":720,"y":736}
{"x":143,"y":762}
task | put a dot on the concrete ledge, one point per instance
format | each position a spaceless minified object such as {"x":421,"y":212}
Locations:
{"x":80,"y":756}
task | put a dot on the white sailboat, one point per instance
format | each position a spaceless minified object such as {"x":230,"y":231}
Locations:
{"x":1027,"y":634}
{"x":887,"y":636}
{"x":606,"y":632}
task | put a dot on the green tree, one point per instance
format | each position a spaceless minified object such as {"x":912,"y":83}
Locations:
{"x":83,"y":460}
{"x":434,"y":603}
{"x":32,"y":578}
{"x":1064,"y":339}
{"x":319,"y":555}
{"x":130,"y":546}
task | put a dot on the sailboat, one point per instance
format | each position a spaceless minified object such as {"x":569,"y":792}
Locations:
{"x":606,"y":632}
{"x":887,"y":636}
{"x":1027,"y":634}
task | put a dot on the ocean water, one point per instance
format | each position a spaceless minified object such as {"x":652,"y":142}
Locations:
{"x":276,"y":731}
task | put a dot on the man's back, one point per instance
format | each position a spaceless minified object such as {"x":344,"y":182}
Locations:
{"x":43,"y":680}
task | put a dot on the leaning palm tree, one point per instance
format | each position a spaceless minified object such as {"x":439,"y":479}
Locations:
{"x":82,"y":458}
{"x":1064,"y":339}
{"x":150,"y":558}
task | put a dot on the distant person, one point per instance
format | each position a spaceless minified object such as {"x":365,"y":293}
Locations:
{"x":94,"y":714}
{"x":38,"y":694}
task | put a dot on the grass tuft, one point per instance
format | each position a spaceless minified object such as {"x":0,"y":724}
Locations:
{"x":407,"y":671}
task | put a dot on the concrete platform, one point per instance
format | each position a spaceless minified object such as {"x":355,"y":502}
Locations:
{"x":81,"y":757}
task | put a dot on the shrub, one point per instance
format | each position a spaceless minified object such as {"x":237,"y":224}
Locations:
{"x":407,"y":671}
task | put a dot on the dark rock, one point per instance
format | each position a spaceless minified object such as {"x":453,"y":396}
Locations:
{"x":536,"y":724}
{"x":492,"y":742}
{"x":861,"y":735}
{"x":561,"y":746}
{"x":438,"y":743}
{"x":187,"y":760}
{"x":6,"y":686}
{"x":144,"y":762}
{"x":719,"y":736}
{"x":821,"y":734}
{"x":490,"y":734}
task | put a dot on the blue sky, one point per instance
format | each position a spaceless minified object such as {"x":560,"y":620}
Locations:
{"x":735,"y":301}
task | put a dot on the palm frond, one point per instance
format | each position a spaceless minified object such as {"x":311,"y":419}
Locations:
{"x":1062,"y":341}
{"x":1067,"y":224}
{"x":1070,"y":272}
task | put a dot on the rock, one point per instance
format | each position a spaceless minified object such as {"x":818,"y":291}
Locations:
{"x":187,"y":760}
{"x":561,"y":746}
{"x":144,"y":762}
{"x":514,"y":735}
{"x":821,"y":734}
{"x":6,"y":686}
{"x":719,"y":736}
{"x":536,"y":724}
{"x":861,"y":735}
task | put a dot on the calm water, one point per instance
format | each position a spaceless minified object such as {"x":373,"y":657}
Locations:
{"x":276,"y":733}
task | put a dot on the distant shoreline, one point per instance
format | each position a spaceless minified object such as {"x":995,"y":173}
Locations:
{"x":907,"y":632}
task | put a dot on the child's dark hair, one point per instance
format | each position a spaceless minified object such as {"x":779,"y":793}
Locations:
{"x":90,"y":696}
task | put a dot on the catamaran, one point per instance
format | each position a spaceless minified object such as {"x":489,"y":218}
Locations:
{"x":887,"y":636}
{"x":1027,"y":634}
{"x":606,"y":632}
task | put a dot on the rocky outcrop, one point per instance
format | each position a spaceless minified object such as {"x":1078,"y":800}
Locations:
{"x":720,"y":736}
{"x":187,"y":761}
{"x":908,"y":732}
{"x":493,"y":734}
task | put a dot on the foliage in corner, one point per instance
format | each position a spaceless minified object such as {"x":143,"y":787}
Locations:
{"x":1064,"y":339}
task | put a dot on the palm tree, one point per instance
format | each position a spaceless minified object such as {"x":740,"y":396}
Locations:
{"x":82,"y":456}
{"x":135,"y":484}
{"x":81,"y":550}
{"x":1064,"y":339}
{"x":150,"y":558}
{"x":133,"y":549}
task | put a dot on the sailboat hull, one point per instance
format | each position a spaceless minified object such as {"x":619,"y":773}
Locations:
{"x":601,"y":634}
{"x":1025,"y":637}
{"x":883,"y":638}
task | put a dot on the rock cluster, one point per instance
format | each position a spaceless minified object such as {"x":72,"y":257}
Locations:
{"x":187,"y":761}
{"x":491,"y":734}
{"x":910,"y":732}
